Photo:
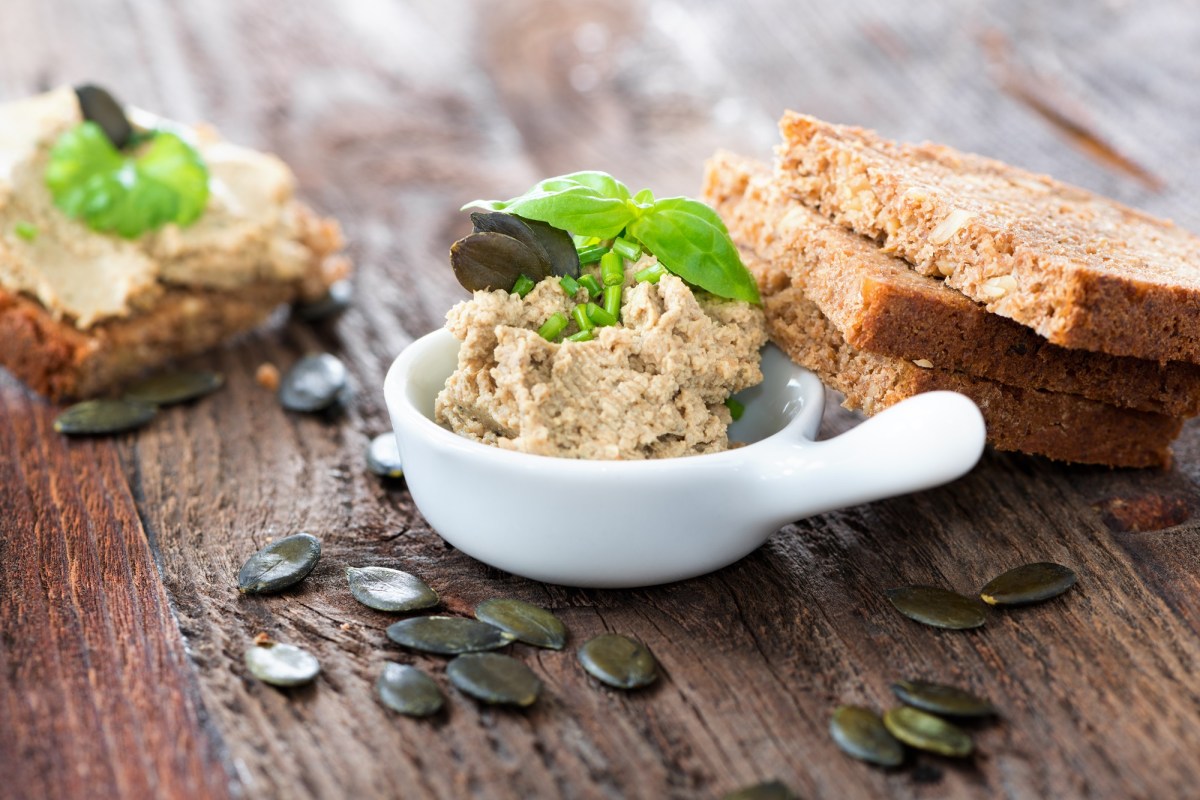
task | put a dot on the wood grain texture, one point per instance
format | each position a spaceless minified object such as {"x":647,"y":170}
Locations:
{"x":121,"y":631}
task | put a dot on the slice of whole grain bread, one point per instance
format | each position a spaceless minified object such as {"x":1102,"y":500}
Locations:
{"x":1082,"y":270}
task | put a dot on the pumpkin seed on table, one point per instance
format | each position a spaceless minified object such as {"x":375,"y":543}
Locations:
{"x":529,"y":623}
{"x":99,"y":417}
{"x":383,"y":456}
{"x":168,"y":388}
{"x":314,"y":383}
{"x":1030,"y":583}
{"x":280,"y":564}
{"x":938,"y":698}
{"x":771,"y":790}
{"x":281,"y":664}
{"x":924,"y":731}
{"x":619,"y":661}
{"x":385,"y":589}
{"x":335,"y":300}
{"x":860,"y":733}
{"x":940,"y":608}
{"x":494,"y":678}
{"x":408,"y":690}
{"x":98,"y":106}
{"x":448,"y":635}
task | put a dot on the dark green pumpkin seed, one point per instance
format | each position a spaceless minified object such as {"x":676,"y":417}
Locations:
{"x":387,"y":589}
{"x":448,"y":635}
{"x":490,"y":261}
{"x":938,"y":607}
{"x":527,"y":622}
{"x":924,"y":731}
{"x":938,"y":698}
{"x":313,"y":384}
{"x":168,"y":388}
{"x":408,"y":690}
{"x":281,"y":664}
{"x":619,"y":661}
{"x":280,"y":564}
{"x":98,"y":417}
{"x":100,"y":107}
{"x":494,"y":678}
{"x":553,"y":245}
{"x":1031,"y":583}
{"x":335,"y":300}
{"x":771,"y":790}
{"x":861,"y":734}
{"x":383,"y":456}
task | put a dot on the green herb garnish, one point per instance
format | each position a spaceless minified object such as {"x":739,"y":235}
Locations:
{"x":582,"y":319}
{"x":612,"y":269}
{"x":590,"y":254}
{"x":736,"y":409}
{"x":650,"y":274}
{"x":590,"y":283}
{"x":630,"y":251}
{"x":581,"y":336}
{"x":569,"y":285}
{"x":26,"y":230}
{"x":599,"y":317}
{"x":553,"y":326}
{"x":612,"y":300}
{"x":523,"y":286}
{"x":686,"y":236}
{"x":165,"y":181}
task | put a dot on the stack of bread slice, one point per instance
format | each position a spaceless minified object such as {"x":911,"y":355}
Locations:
{"x":1071,"y":320}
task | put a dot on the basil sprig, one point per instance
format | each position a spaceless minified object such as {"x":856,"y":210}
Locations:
{"x":686,"y":236}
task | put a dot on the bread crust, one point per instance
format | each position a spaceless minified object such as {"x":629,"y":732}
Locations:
{"x":882,"y":306}
{"x":1082,"y":270}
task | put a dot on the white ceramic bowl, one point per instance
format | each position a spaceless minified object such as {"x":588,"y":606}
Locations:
{"x":637,"y":523}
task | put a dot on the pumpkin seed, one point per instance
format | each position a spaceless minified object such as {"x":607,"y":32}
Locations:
{"x":771,"y":790}
{"x":938,"y":698}
{"x":383,"y":456}
{"x":314,"y":383}
{"x":1031,"y":583}
{"x":385,"y":589}
{"x":494,"y":678}
{"x":448,"y":635}
{"x":619,"y":661}
{"x":861,"y":734}
{"x":938,"y":607}
{"x":100,"y":107}
{"x":98,"y":417}
{"x":527,"y":622}
{"x":335,"y":300}
{"x":168,"y":388}
{"x":279,"y":565}
{"x":281,"y":664}
{"x":553,"y":245}
{"x":924,"y":731}
{"x":408,"y":690}
{"x":490,"y":261}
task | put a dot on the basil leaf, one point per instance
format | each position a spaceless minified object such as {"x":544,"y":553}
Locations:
{"x":644,"y":198}
{"x":584,"y":203}
{"x":602,"y":182}
{"x":688,"y":238}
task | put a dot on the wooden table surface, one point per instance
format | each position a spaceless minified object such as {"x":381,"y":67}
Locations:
{"x":121,"y":632}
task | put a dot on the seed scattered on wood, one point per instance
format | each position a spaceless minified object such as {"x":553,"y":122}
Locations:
{"x":1030,"y":583}
{"x":860,"y":733}
{"x":168,"y":388}
{"x":938,"y":698}
{"x":98,"y":106}
{"x":529,"y":623}
{"x":494,"y":678}
{"x":619,"y":661}
{"x":771,"y":790}
{"x":387,"y":589}
{"x":383,"y":456}
{"x":448,"y":635}
{"x":280,"y":564}
{"x":937,"y":607}
{"x":281,"y":664}
{"x":267,"y":376}
{"x":100,"y":417}
{"x":336,"y":300}
{"x":313,"y":384}
{"x":924,"y":731}
{"x":408,"y":690}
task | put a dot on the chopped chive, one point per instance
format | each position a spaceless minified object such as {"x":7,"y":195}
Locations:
{"x":736,"y":409}
{"x":612,"y":300}
{"x":582,"y":336}
{"x":553,"y":326}
{"x":592,"y":253}
{"x":612,"y":269}
{"x":599,"y":316}
{"x":628,"y":250}
{"x":26,"y":230}
{"x":590,"y":283}
{"x":650,"y":274}
{"x":581,"y":317}
{"x":523,"y":285}
{"x":569,"y":285}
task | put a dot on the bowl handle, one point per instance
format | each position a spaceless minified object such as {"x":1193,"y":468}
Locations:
{"x":921,"y":442}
